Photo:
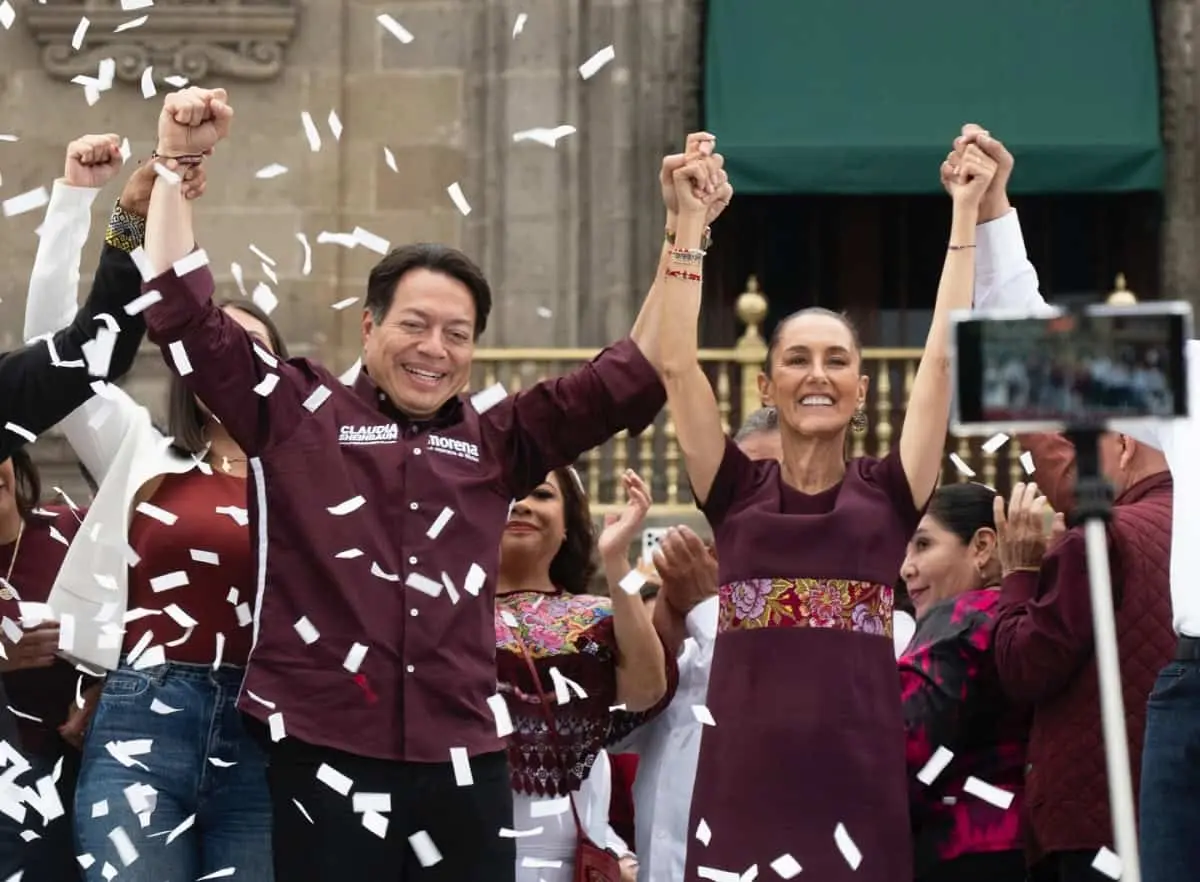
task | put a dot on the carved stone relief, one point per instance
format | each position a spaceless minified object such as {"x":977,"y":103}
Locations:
{"x":193,"y":39}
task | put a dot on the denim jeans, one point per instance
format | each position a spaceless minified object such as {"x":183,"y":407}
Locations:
{"x":51,"y":856}
{"x":1170,"y":795}
{"x":201,"y":763}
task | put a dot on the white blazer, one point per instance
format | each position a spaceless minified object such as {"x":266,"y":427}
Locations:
{"x":114,"y":438}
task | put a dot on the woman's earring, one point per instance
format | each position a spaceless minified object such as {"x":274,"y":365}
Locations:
{"x":858,"y":422}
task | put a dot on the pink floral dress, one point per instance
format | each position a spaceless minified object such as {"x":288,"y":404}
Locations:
{"x":807,"y":755}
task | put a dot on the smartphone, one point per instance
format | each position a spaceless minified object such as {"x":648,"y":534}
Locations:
{"x":652,"y":537}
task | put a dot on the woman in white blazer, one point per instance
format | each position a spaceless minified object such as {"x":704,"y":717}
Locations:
{"x":157,"y":587}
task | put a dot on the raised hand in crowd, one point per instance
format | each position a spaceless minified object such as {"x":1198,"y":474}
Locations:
{"x":972,"y":176}
{"x":698,"y":145}
{"x":93,"y":160}
{"x":995,"y":201}
{"x":36,"y":648}
{"x":620,"y":529}
{"x":135,"y":197}
{"x":1022,"y":532}
{"x":192,"y":122}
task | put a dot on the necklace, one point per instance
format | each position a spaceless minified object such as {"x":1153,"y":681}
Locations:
{"x":7,"y":592}
{"x":227,"y":463}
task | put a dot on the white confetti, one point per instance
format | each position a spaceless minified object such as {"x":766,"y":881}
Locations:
{"x":100,"y":809}
{"x":21,"y":431}
{"x":424,"y":584}
{"x":159,"y":707}
{"x":960,"y":464}
{"x":380,"y":803}
{"x":499,"y":708}
{"x":375,"y":823}
{"x":545,"y":312}
{"x":991,"y":445}
{"x":519,"y":24}
{"x":592,"y":66}
{"x":310,"y":132}
{"x":372,"y":242}
{"x":240,"y":516}
{"x":275,"y":724}
{"x":423,"y":847}
{"x":29,"y":201}
{"x":179,"y":617}
{"x":786,"y":866}
{"x":303,"y":810}
{"x":346,"y":240}
{"x":130,"y":25}
{"x":270,"y":273}
{"x":343,"y":304}
{"x":456,"y":196}
{"x":171,"y":177}
{"x":390,"y":159}
{"x":264,"y":298}
{"x":98,"y":352}
{"x":261,"y":255}
{"x":461,"y":764}
{"x":125,"y":850}
{"x":308,"y":633}
{"x":223,"y":873}
{"x":239,"y":278}
{"x":935,"y":766}
{"x":633,"y":582}
{"x":81,"y":30}
{"x":475,"y":579}
{"x":10,"y":139}
{"x":549,"y":137}
{"x":564,"y":686}
{"x":509,"y":833}
{"x":167,"y":581}
{"x":148,"y":88}
{"x":205,"y":557}
{"x":488,"y":398}
{"x":135,"y":5}
{"x":703,"y":834}
{"x":349,"y":554}
{"x":265,"y":357}
{"x":438,"y":525}
{"x":1027,"y":462}
{"x":354,"y":658}
{"x":306,"y":269}
{"x":153,"y":657}
{"x":243,"y":614}
{"x":717,"y":875}
{"x":1001,"y":799}
{"x":345,"y":508}
{"x":191,"y":262}
{"x":1108,"y":862}
{"x":183,"y":826}
{"x":161,"y":515}
{"x":316,"y":399}
{"x":335,"y":125}
{"x":703,"y":715}
{"x":141,"y":304}
{"x":394,"y":28}
{"x":142,"y":262}
{"x":175,"y":80}
{"x":273,"y":170}
{"x":847,"y":847}
{"x":334,"y":780}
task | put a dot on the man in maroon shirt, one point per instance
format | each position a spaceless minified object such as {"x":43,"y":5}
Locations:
{"x":376,"y":512}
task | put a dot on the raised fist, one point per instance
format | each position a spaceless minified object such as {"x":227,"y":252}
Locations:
{"x":93,"y":160}
{"x":192,"y":121}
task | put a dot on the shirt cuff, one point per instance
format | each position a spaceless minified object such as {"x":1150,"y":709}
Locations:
{"x":701,"y":622}
{"x":631,"y":380}
{"x":998,"y":243}
{"x":1018,"y":587}
{"x":185,"y":301}
{"x":126,"y":230}
{"x":66,"y":196}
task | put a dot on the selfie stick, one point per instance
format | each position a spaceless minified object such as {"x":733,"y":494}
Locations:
{"x":1093,"y":508}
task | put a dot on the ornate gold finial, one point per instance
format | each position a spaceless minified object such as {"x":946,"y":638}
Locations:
{"x":1120,"y":294}
{"x":751,"y":308}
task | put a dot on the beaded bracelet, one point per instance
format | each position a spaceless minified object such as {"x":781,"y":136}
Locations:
{"x":684,"y":274}
{"x":692,"y":256}
{"x":184,"y":159}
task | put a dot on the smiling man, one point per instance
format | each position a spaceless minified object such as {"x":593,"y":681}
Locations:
{"x":377,"y":510}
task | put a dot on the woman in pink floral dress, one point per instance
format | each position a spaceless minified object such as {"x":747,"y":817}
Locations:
{"x":804,"y":768}
{"x":593,"y":654}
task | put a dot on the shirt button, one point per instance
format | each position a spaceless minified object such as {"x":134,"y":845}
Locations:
{"x":416,"y":451}
{"x":412,"y":506}
{"x":410,"y":669}
{"x":412,"y":559}
{"x":414,"y":613}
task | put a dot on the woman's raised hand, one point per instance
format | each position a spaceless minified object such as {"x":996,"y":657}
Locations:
{"x":700,"y":147}
{"x":972,"y":178}
{"x":620,"y":529}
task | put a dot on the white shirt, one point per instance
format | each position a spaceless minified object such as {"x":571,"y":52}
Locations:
{"x":669,"y":752}
{"x":1005,"y":279}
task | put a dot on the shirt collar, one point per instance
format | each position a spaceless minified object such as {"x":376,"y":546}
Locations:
{"x":367,"y":390}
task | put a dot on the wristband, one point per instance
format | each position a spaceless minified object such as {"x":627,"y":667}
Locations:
{"x":126,"y":230}
{"x":182,"y":159}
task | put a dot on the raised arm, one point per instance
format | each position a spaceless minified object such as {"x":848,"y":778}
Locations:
{"x":928,"y":413}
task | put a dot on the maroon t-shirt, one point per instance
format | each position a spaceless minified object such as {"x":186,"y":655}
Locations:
{"x":209,"y":549}
{"x":44,"y":693}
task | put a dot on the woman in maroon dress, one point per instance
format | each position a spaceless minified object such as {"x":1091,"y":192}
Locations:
{"x":805,"y":767}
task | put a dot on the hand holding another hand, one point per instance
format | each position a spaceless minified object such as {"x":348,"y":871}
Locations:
{"x":135,"y":197}
{"x":995,"y":200}
{"x":711,"y":183}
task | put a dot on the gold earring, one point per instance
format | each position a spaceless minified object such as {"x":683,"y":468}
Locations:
{"x":858,"y":422}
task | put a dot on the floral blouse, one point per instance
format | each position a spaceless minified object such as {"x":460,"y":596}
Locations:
{"x":574,"y":649}
{"x":952,"y":698}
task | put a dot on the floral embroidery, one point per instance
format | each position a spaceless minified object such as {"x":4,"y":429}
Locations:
{"x":550,"y":624}
{"x":814,"y":603}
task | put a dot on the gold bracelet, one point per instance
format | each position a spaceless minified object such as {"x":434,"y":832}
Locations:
{"x":960,"y":247}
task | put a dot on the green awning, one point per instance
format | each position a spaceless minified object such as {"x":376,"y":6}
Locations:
{"x":864,"y":96}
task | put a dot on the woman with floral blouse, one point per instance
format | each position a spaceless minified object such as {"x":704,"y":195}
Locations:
{"x":600,"y":662}
{"x":966,"y":817}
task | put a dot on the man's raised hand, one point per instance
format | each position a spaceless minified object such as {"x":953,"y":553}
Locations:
{"x":93,"y":160}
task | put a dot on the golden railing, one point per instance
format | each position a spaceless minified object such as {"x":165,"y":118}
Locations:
{"x":734,"y":373}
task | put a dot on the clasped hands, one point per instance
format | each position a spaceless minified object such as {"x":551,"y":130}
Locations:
{"x":695,"y":182}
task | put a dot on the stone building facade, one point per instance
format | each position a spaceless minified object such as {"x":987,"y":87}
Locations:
{"x":568,"y":235}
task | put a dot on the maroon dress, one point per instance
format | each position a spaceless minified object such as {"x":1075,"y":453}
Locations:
{"x":804,"y":688}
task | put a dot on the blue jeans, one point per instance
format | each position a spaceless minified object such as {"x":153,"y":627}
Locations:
{"x":1170,"y":794}
{"x":202,"y":763}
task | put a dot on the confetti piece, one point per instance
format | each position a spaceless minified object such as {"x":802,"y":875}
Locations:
{"x":475,"y":579}
{"x":488,"y":398}
{"x":349,"y":554}
{"x":717,"y":875}
{"x":141,"y":304}
{"x":509,"y":833}
{"x":161,"y":515}
{"x":390,"y":159}
{"x":426,"y":852}
{"x":300,"y":807}
{"x":375,"y":823}
{"x":148,"y":88}
{"x":142,"y":262}
{"x":335,"y":125}
{"x":847,"y":847}
{"x":991,"y":445}
{"x":306,"y":269}
{"x":310,"y":132}
{"x":549,"y":808}
{"x":1108,"y":863}
{"x":424,"y":584}
{"x":380,"y":803}
{"x":461,"y":763}
{"x":135,"y":5}
{"x":20,"y":430}
{"x":273,"y":170}
{"x":98,"y":352}
{"x":166,"y":174}
{"x":184,"y":825}
{"x":130,"y":25}
{"x":264,"y":298}
{"x":32,"y":201}
{"x":703,"y":834}
{"x":703,"y":715}
{"x":270,"y":273}
{"x":960,"y":464}
{"x":394,"y":28}
{"x":438,"y":525}
{"x":100,"y":809}
{"x":519,"y":24}
{"x":935,"y":766}
{"x":81,"y":30}
{"x":354,"y":658}
{"x":334,"y":780}
{"x":125,"y":850}
{"x":455,"y":191}
{"x":545,"y":312}
{"x":342,"y":304}
{"x":499,"y":708}
{"x":564,"y":686}
{"x":168,"y":581}
{"x":191,"y":262}
{"x":632,"y":582}
{"x":345,"y":508}
{"x":786,"y":866}
{"x":175,"y":80}
{"x":159,"y":707}
{"x":549,"y":137}
{"x":275,"y":724}
{"x":307,"y":632}
{"x":240,"y":516}
{"x":316,"y":399}
{"x":1027,"y":462}
{"x":223,"y":873}
{"x":372,"y":242}
{"x":153,"y":657}
{"x":1001,"y":799}
{"x":243,"y":614}
{"x":346,"y":240}
{"x":592,"y":66}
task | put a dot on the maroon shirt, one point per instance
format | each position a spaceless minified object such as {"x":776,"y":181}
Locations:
{"x":188,"y":546}
{"x":430,"y":653}
{"x":45,"y":693}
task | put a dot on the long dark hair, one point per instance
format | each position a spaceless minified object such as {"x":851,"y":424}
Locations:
{"x":185,"y":419}
{"x":28,"y":489}
{"x":575,"y":564}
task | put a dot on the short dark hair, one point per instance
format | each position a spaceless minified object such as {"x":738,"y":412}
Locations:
{"x":963,"y":509}
{"x":575,"y":563}
{"x":386,"y":275}
{"x":28,"y":489}
{"x":801,"y":313}
{"x":185,"y":420}
{"x":765,"y":419}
